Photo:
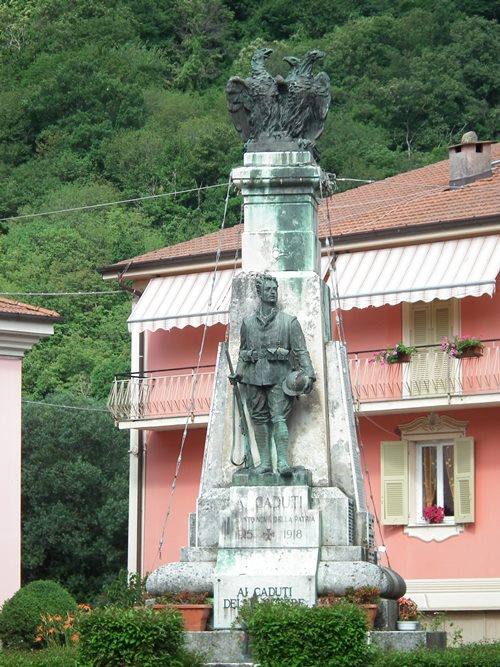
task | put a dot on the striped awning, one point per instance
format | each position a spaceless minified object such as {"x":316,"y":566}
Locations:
{"x":190,"y":299}
{"x":441,"y":270}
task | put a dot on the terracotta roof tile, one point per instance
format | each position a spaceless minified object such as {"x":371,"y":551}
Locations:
{"x":16,"y":309}
{"x":417,"y":197}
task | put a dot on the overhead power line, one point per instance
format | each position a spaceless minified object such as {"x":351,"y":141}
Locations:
{"x":103,"y":292}
{"x":112,"y":203}
{"x":174,"y":193}
{"x":65,"y":407}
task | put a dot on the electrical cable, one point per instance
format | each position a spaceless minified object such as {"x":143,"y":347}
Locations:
{"x":101,"y":293}
{"x":112,"y":203}
{"x":65,"y":407}
{"x":174,"y":193}
{"x":331,"y":271}
{"x":190,"y":415}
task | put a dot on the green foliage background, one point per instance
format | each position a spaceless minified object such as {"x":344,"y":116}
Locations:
{"x":104,"y":100}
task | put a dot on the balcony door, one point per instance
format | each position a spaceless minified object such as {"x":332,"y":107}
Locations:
{"x":431,"y":370}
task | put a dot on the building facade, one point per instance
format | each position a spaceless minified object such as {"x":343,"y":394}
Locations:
{"x":21,"y":327}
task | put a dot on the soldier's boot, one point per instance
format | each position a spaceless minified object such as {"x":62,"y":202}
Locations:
{"x":263,"y":439}
{"x":280,"y":432}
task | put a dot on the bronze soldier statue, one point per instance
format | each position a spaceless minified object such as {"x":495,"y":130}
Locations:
{"x":275,"y":366}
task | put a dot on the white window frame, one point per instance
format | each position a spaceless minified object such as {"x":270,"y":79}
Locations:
{"x":419,"y":501}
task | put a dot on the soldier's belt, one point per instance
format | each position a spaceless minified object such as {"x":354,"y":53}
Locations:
{"x":271,"y":354}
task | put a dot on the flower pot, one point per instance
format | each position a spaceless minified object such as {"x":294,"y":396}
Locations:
{"x":371,"y":613}
{"x":473,"y":351}
{"x":407,"y":626}
{"x":195,"y":616}
{"x":402,"y":359}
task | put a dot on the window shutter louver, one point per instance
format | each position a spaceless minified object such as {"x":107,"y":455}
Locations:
{"x":420,"y":336}
{"x":464,"y":480}
{"x":394,"y":482}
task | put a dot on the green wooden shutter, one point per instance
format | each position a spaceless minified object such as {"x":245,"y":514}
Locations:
{"x":394,"y":482}
{"x":464,"y":480}
{"x":420,"y":335}
{"x":442,"y":326}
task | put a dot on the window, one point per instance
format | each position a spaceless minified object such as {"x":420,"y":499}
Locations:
{"x":435,"y":477}
{"x":433,"y":463}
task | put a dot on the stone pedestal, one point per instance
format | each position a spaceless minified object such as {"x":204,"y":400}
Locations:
{"x":268,"y":549}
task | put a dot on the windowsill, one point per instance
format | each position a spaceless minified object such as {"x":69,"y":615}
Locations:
{"x":434,"y":532}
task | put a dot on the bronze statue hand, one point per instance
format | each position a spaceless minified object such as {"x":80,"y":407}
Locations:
{"x":234,"y":378}
{"x":309,"y":385}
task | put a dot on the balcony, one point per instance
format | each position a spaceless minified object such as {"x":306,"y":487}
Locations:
{"x":164,"y":399}
{"x":430,"y":379}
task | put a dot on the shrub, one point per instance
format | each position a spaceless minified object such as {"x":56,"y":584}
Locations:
{"x":51,"y":657}
{"x":114,"y":637}
{"x":472,"y":655}
{"x":21,"y":615}
{"x":126,"y":591}
{"x":289,"y":635}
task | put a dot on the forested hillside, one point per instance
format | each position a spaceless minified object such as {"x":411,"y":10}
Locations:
{"x":108,"y":100}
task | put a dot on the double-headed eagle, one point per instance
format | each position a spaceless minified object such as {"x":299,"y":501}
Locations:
{"x":267,"y":109}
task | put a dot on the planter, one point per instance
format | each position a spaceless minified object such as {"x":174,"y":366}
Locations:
{"x":195,"y":616}
{"x":371,"y":612}
{"x":402,"y":359}
{"x":407,"y":626}
{"x":470,"y":352}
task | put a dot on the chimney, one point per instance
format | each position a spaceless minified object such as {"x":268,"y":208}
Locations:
{"x":469,"y":160}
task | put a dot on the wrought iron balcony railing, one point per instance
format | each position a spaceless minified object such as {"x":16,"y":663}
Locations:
{"x":161,"y":394}
{"x":430,"y":373}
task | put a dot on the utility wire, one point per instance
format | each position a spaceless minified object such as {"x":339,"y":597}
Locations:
{"x":112,"y":203}
{"x":190,"y":412}
{"x":65,"y":407}
{"x":174,"y":193}
{"x":62,"y":293}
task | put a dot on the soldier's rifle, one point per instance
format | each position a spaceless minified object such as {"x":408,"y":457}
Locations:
{"x":247,"y":451}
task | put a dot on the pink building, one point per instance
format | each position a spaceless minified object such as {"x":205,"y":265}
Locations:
{"x":414,"y":258}
{"x":21,"y":326}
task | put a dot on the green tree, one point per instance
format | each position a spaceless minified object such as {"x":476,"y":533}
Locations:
{"x":74,"y":494}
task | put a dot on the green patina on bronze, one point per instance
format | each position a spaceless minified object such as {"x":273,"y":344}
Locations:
{"x":272,"y":347}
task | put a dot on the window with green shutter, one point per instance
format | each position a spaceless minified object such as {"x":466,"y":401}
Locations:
{"x":424,"y":469}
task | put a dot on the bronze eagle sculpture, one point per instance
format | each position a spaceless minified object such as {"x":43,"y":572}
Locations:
{"x":269,"y":111}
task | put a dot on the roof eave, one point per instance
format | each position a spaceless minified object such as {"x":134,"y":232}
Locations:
{"x":364,"y":238}
{"x":50,"y":319}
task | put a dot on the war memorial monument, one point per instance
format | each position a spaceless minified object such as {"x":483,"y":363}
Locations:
{"x":281,"y":511}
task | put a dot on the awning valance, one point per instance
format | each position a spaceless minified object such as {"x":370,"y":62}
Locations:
{"x":440,"y":270}
{"x":466,"y":267}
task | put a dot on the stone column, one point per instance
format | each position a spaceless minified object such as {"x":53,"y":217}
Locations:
{"x":280,"y":194}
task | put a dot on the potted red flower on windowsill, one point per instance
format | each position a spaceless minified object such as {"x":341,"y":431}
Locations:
{"x":433,"y":514}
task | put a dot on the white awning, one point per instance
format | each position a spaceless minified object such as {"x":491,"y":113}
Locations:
{"x":191,"y":299}
{"x":441,"y":270}
{"x":467,"y":267}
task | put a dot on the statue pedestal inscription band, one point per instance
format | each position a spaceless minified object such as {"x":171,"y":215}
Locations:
{"x":268,"y":549}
